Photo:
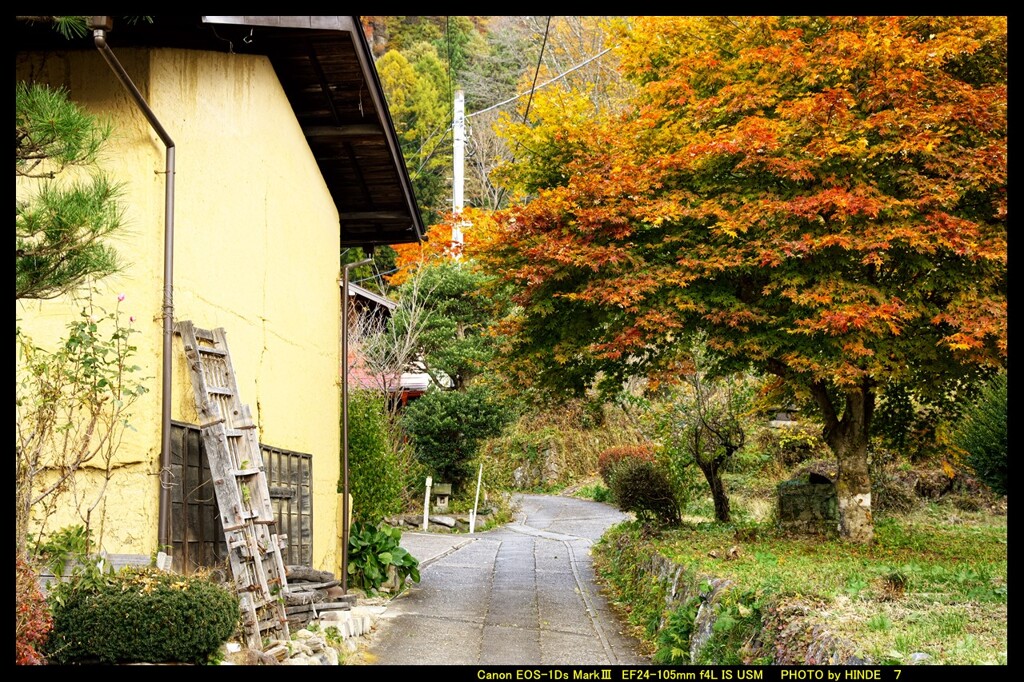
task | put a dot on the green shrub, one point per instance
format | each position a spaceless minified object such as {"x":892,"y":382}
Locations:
{"x":372,"y":551}
{"x":375,"y":475}
{"x":619,"y":557}
{"x":738,"y":622}
{"x":595,"y":492}
{"x":610,"y":458}
{"x":447,"y":428}
{"x":141,"y":615}
{"x":642,"y":487}
{"x":982,"y":435}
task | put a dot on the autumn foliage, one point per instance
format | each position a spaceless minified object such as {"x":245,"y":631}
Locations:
{"x":611,"y":457}
{"x":478,"y":229}
{"x":33,"y":622}
{"x":824,"y":196}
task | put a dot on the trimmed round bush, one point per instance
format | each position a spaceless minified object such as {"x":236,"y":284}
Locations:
{"x":610,"y":458}
{"x":642,"y":487}
{"x":141,"y":615}
{"x":446,"y":428}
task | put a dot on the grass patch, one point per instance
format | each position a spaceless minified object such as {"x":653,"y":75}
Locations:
{"x":596,"y":492}
{"x":925,"y":586}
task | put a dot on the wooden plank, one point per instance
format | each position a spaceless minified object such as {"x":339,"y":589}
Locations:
{"x":309,"y":587}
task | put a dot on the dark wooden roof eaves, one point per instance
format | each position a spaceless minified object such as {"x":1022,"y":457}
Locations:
{"x":326,"y":69}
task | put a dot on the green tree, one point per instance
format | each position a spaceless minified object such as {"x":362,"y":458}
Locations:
{"x":982,"y":435}
{"x":702,"y":421}
{"x":420,"y":107}
{"x":455,"y":342}
{"x":447,"y":428}
{"x":60,"y":227}
{"x":825,"y":196}
{"x":376,"y":474}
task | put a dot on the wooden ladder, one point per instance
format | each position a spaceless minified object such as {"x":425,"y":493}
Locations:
{"x":240,"y":483}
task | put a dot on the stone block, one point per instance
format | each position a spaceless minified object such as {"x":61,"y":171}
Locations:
{"x":807,"y":508}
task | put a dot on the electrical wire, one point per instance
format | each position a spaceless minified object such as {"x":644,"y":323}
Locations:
{"x":536,"y":72}
{"x":547,"y":27}
{"x":545,"y":83}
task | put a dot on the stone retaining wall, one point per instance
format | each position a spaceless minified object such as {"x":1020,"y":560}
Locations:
{"x":808,"y":508}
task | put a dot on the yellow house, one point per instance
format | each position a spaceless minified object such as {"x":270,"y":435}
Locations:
{"x":255,"y":152}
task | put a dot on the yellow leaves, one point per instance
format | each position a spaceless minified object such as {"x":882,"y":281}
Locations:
{"x":728,"y":228}
{"x":857,"y":349}
{"x":872,"y":258}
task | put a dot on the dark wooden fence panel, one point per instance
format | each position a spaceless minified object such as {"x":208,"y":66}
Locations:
{"x":290,"y":478}
{"x":197,"y":537}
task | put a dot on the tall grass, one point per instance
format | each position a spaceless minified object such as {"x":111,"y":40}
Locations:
{"x":546,"y":450}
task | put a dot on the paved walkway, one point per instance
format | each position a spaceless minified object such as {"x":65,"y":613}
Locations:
{"x":523,"y":594}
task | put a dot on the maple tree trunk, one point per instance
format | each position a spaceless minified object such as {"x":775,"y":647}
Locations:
{"x":848,"y":439}
{"x":853,"y":488}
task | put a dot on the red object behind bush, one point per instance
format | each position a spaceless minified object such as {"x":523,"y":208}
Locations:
{"x":610,"y":458}
{"x":33,"y":616}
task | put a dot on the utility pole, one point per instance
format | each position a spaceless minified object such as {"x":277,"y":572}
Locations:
{"x":458,"y":174}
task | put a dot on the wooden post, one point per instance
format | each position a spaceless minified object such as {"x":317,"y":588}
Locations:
{"x":426,"y":505}
{"x":476,"y":502}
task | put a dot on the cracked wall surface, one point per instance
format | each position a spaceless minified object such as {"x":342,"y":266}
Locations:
{"x":256,"y":252}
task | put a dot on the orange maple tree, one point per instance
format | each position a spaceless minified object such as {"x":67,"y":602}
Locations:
{"x":478,"y":230}
{"x":824,"y":196}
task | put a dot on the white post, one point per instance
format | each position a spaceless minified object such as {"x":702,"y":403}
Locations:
{"x":476,"y":502}
{"x":458,"y":170}
{"x":426,"y":504}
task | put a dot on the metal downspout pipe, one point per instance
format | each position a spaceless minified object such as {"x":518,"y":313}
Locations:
{"x":100,"y":26}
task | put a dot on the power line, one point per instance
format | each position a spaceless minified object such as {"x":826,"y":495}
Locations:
{"x":536,"y":73}
{"x":533,"y":87}
{"x":545,"y":83}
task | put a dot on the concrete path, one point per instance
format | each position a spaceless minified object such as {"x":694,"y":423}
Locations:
{"x":523,"y":594}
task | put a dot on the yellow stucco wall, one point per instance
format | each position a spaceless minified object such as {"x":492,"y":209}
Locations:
{"x":256,"y":252}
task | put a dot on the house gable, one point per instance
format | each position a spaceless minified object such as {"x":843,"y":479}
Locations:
{"x":325,"y":67}
{"x":261,"y":219}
